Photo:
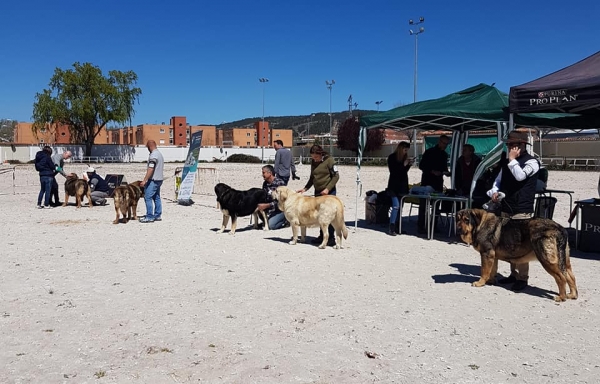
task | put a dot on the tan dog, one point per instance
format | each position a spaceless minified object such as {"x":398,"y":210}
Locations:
{"x":307,"y":211}
{"x":518,"y":241}
{"x":77,"y":187}
{"x":126,"y":201}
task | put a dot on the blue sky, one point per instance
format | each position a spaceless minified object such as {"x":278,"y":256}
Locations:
{"x":203,"y":59}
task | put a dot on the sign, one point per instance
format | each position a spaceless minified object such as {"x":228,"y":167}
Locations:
{"x":113,"y":182}
{"x":589,"y":235}
{"x":189,"y":168}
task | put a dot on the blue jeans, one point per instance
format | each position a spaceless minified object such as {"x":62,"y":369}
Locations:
{"x":395,"y":209}
{"x":277,"y":221}
{"x":45,"y":188}
{"x":152,"y":199}
{"x":285,"y":179}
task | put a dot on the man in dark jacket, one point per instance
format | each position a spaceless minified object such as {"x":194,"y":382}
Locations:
{"x":45,"y":167}
{"x":434,"y":165}
{"x":98,"y":185}
{"x":517,"y":180}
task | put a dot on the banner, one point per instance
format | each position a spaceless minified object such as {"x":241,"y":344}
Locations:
{"x":189,"y":169}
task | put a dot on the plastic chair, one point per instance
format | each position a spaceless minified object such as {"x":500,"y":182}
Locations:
{"x":544,"y":207}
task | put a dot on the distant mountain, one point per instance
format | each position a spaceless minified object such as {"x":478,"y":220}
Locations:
{"x":319,"y":123}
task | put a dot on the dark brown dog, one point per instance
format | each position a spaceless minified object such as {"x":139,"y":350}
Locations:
{"x":126,"y":201}
{"x":518,"y":242}
{"x":78,"y":188}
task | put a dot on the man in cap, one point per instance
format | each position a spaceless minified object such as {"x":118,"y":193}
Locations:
{"x":98,"y":185}
{"x":517,"y":180}
{"x":152,"y":182}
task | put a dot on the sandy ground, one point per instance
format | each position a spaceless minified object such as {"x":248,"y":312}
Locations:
{"x":83,"y":300}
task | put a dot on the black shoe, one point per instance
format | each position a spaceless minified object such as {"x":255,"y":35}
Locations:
{"x":317,"y":240}
{"x":508,"y":280}
{"x":392,"y":230}
{"x":519,"y":285}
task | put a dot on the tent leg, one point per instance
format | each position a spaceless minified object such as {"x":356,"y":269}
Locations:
{"x":358,"y":193}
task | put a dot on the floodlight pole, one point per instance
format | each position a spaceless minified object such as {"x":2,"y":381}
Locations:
{"x":264,"y":81}
{"x":378,"y":102}
{"x":330,"y":86}
{"x":416,"y":34}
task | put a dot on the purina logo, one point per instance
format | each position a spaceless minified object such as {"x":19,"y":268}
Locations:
{"x":552,"y":97}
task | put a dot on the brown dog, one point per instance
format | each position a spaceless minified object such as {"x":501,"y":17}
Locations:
{"x":518,"y":242}
{"x":77,"y":187}
{"x":126,"y":200}
{"x":308,"y":211}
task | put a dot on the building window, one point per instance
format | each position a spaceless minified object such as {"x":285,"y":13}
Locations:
{"x":247,"y":143}
{"x":63,"y":134}
{"x":171,"y":141}
{"x":42,"y":130}
{"x":161,"y":141}
{"x":277,"y":135}
{"x":42,"y":141}
{"x":248,"y":134}
{"x":162,"y":130}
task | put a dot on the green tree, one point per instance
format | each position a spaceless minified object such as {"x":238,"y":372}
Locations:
{"x":348,"y":136}
{"x":85,"y":100}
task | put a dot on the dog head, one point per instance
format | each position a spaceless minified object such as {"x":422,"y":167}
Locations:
{"x":221,"y":189}
{"x":281,"y":194}
{"x":467,"y":222}
{"x":72,"y":176}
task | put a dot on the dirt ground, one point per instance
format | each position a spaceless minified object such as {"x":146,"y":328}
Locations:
{"x":83,"y":300}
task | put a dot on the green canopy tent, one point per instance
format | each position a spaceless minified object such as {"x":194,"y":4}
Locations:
{"x":475,"y":108}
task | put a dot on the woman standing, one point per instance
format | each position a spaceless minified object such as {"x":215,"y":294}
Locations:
{"x":398,"y":163}
{"x":323,"y":176}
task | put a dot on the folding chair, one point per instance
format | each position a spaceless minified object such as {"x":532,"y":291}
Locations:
{"x":544,"y":207}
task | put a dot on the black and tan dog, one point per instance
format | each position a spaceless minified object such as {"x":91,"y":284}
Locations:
{"x":518,"y":242}
{"x":126,"y":201}
{"x":77,"y":187}
{"x":236,"y":204}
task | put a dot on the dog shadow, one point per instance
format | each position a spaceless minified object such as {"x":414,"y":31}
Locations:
{"x":238,"y":229}
{"x":471,"y":273}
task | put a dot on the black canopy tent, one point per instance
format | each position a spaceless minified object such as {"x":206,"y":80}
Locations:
{"x":574,"y":89}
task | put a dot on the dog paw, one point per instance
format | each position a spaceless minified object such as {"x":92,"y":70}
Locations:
{"x":116,"y":222}
{"x":322,"y":246}
{"x":337,"y":247}
{"x":231,"y":233}
{"x":219,"y":231}
{"x":572,"y":296}
{"x":559,"y":299}
{"x":293,"y":242}
{"x":479,"y":283}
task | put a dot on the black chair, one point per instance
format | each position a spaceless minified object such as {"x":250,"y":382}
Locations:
{"x":544,"y":207}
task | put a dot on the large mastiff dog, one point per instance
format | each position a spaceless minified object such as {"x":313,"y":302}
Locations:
{"x":236,"y":204}
{"x":77,"y":187}
{"x":518,"y":241}
{"x":308,"y":211}
{"x":126,"y":201}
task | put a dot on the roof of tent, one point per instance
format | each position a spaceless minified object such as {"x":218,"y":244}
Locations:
{"x":574,"y":89}
{"x":476,"y":107}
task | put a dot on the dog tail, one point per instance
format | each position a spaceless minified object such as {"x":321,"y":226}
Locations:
{"x":345,"y":231}
{"x":562,"y":243}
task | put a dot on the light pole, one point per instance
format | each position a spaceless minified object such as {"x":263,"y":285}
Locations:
{"x":378,"y":102}
{"x":309,"y":122}
{"x":416,"y":34}
{"x":264,"y":81}
{"x":329,"y":86}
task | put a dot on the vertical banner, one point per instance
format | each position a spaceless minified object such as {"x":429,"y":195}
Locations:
{"x":189,"y":168}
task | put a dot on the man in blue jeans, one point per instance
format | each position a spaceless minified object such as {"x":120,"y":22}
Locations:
{"x":45,"y":167}
{"x":152,"y":183}
{"x":275,"y":217}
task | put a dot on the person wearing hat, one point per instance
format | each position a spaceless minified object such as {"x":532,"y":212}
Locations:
{"x":98,"y":185}
{"x":517,"y":180}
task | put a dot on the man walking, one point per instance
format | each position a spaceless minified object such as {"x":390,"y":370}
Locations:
{"x":59,"y":162}
{"x":284,"y":163}
{"x":152,"y":182}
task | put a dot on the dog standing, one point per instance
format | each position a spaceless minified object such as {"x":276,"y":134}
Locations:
{"x":518,"y":241}
{"x":308,"y":211}
{"x":77,"y":187}
{"x":236,"y":204}
{"x":126,"y":199}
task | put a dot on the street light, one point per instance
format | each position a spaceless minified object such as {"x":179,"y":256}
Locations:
{"x":378,"y":102}
{"x":416,"y":34}
{"x":329,"y":86}
{"x":309,"y":122}
{"x":263,"y":80}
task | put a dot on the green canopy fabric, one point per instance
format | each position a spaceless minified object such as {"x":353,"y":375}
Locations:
{"x":478,"y":107}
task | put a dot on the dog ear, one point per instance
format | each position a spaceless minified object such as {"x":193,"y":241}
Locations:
{"x":474,"y":219}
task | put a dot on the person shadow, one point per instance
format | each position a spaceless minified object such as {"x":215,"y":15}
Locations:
{"x":471,"y":273}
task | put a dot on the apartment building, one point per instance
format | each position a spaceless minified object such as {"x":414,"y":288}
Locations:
{"x":51,"y":134}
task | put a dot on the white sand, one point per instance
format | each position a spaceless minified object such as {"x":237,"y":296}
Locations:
{"x":173,"y":302}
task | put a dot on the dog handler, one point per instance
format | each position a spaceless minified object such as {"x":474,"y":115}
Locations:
{"x":323,"y":176}
{"x":517,"y":180}
{"x":152,"y":182}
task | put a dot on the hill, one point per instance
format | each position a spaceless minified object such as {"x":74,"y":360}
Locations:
{"x":319,"y":123}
